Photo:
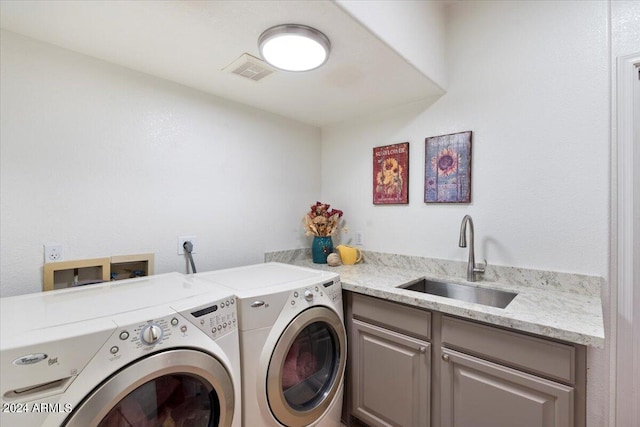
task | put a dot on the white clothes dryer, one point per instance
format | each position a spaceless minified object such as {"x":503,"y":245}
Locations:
{"x":155,"y":351}
{"x":292,"y":343}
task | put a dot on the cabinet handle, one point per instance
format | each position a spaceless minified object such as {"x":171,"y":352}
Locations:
{"x":445,"y":357}
{"x":423,"y":349}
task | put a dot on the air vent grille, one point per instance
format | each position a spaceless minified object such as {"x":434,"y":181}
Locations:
{"x":250,"y":67}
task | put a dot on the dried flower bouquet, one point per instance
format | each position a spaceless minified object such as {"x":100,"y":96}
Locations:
{"x":321,"y":220}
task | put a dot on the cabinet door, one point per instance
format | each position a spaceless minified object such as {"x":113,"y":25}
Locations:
{"x":477,"y":393}
{"x":390,"y":377}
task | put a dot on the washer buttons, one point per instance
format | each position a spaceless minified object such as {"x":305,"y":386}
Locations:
{"x":183,"y":328}
{"x":174,"y":321}
{"x":295,"y":294}
{"x":114,"y":349}
{"x":124,"y":335}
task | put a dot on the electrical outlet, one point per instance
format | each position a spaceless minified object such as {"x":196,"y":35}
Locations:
{"x":359,"y":238}
{"x":53,"y":253}
{"x":182,"y":239}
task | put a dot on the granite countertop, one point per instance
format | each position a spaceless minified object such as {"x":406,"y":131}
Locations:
{"x":557,"y":305}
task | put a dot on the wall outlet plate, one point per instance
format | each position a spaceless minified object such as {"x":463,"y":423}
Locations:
{"x":359,"y":238}
{"x":53,"y":253}
{"x":182,"y":239}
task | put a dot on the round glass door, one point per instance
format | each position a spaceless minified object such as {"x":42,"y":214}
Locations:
{"x":170,"y":400}
{"x":186,"y":388}
{"x":306,"y":367}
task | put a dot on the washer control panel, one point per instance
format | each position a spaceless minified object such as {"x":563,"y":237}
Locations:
{"x":145,"y":334}
{"x":215,"y":319}
{"x":141,"y":337}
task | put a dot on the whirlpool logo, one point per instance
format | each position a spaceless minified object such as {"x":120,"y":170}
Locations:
{"x":30,"y":359}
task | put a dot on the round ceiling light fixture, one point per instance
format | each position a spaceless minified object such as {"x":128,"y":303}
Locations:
{"x":294,"y":47}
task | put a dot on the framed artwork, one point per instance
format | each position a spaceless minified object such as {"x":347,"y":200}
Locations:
{"x":447,"y":176}
{"x":391,"y":174}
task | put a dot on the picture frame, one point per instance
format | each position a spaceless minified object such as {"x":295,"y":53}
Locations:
{"x":447,"y":177}
{"x":391,"y":174}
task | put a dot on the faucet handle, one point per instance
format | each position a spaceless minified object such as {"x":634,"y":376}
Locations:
{"x":480,"y":269}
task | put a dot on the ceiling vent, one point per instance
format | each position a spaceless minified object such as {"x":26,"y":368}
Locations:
{"x":250,"y":67}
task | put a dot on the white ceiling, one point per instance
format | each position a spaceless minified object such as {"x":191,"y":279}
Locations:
{"x":191,"y":42}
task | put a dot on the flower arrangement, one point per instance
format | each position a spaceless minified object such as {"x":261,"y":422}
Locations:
{"x":321,"y":220}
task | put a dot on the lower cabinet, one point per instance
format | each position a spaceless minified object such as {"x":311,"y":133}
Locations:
{"x":391,"y":377}
{"x":409,"y":367}
{"x":478,"y":393}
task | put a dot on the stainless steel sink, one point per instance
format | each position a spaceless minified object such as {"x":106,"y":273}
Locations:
{"x":474,"y":294}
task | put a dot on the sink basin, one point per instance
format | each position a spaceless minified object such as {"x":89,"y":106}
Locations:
{"x":474,"y":294}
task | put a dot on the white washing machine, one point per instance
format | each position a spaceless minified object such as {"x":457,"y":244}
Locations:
{"x":292,"y":343}
{"x":155,"y":351}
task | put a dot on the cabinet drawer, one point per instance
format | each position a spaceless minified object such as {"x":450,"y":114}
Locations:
{"x":539,"y":356}
{"x":397,"y":317}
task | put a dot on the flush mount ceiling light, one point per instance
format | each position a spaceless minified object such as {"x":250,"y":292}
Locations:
{"x":294,"y":47}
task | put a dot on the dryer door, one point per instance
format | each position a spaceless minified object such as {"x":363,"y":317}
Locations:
{"x":175,"y":387}
{"x":306,"y":367}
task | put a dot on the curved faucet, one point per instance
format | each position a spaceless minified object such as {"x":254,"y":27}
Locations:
{"x":471,"y":265}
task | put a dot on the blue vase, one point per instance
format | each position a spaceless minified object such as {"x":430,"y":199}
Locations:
{"x":321,"y":247}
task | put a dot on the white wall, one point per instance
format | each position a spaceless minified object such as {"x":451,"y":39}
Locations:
{"x":531,"y":80}
{"x":413,"y":28}
{"x":108,"y":161}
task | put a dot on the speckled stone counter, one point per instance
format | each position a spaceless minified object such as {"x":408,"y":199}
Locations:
{"x":564,"y":306}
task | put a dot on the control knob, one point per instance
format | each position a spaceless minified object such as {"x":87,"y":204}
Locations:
{"x":308,"y":295}
{"x":151,"y":334}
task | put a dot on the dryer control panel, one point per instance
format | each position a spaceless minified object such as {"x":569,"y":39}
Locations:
{"x":334,"y":290}
{"x":331,"y":290}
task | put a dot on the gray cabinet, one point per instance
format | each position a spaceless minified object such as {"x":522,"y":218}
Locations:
{"x":390,"y":366}
{"x":494,"y":377}
{"x":479,"y":393}
{"x":409,"y":367}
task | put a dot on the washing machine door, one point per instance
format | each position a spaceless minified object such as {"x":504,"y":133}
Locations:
{"x":307,"y":366}
{"x":178,"y":387}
